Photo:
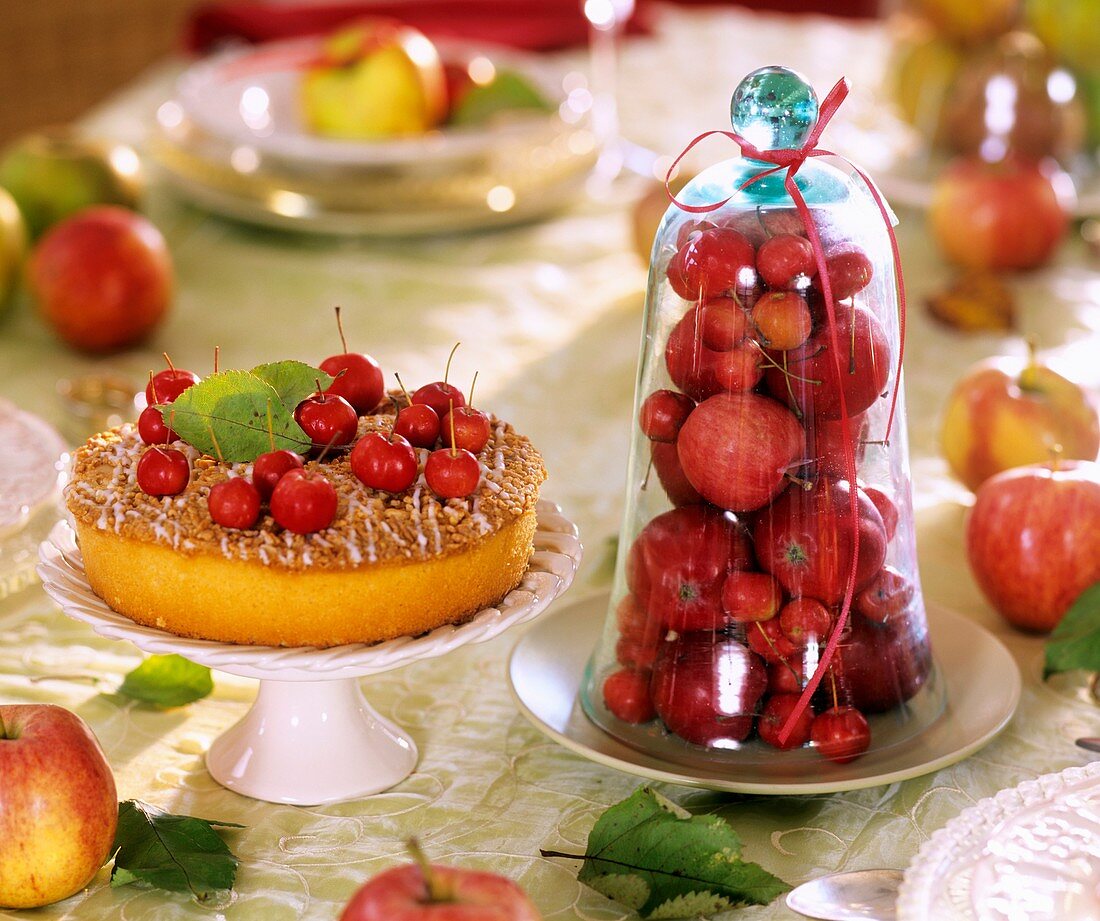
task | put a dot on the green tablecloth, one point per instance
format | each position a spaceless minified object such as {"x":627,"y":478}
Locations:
{"x":549,"y":314}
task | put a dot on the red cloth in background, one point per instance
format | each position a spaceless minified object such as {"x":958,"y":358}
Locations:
{"x":532,"y":25}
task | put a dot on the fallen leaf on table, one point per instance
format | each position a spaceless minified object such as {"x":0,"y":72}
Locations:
{"x":1075,"y":642}
{"x":656,"y":858}
{"x":174,"y":852}
{"x":167,"y":681}
{"x":975,"y":302}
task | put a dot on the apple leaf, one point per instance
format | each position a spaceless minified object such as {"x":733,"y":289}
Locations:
{"x":508,"y":92}
{"x":167,"y":681}
{"x":656,"y":858}
{"x":1075,"y":642}
{"x":174,"y":852}
{"x":292,"y":380}
{"x":237,"y":415}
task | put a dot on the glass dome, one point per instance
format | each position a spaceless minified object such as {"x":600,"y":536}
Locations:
{"x":762,"y":490}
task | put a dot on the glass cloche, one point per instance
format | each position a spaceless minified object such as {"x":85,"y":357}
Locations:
{"x":768,"y":510}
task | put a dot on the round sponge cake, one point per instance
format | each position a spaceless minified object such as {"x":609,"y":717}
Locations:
{"x":389,"y":565}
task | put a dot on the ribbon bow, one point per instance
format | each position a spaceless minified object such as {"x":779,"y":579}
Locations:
{"x":791,"y":160}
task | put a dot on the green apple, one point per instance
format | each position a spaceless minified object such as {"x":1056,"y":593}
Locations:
{"x":374,"y":79}
{"x":506,"y":92}
{"x":1070,"y":29}
{"x":971,"y":21}
{"x":13,"y":246}
{"x":56,"y":173}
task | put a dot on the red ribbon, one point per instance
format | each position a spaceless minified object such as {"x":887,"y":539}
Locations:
{"x":791,"y":160}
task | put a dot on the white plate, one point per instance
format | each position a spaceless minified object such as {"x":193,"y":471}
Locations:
{"x":1030,"y":853}
{"x":249,"y":97}
{"x":982,"y":685}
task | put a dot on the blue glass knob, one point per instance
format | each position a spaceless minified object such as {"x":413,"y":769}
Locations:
{"x":773,"y":108}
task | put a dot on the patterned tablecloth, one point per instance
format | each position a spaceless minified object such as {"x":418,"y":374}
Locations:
{"x":550,"y":315}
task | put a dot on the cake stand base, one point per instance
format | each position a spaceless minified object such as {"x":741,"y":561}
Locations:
{"x":271,"y":753}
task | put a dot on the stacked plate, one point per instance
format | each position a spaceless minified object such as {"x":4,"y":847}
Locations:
{"x":232,"y":140}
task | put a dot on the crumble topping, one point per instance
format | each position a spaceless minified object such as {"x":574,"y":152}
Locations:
{"x":371,"y":526}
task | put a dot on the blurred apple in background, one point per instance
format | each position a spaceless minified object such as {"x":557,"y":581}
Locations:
{"x":1070,"y":28}
{"x":58,"y":805}
{"x":13,"y":246}
{"x":1006,"y":215}
{"x":56,"y":173}
{"x":922,"y":70}
{"x":432,"y":892}
{"x":375,"y":79}
{"x":969,"y":21}
{"x":1033,"y":540}
{"x":102,"y":278}
{"x":1007,"y":412}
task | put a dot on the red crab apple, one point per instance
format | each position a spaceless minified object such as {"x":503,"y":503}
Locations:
{"x":736,"y":449}
{"x":805,"y":539}
{"x":101,"y":278}
{"x":701,"y":371}
{"x":626,"y":693}
{"x":679,"y":562}
{"x":422,"y":892}
{"x":826,"y":443}
{"x":841,"y":734}
{"x":809,"y":378}
{"x":706,"y":687}
{"x":886,"y":597}
{"x":774,"y":716}
{"x":878,"y":666}
{"x":993,"y":216}
{"x":1009,"y":412}
{"x":667,"y":464}
{"x":784,"y":257}
{"x":1033,"y":540}
{"x":303,"y":501}
{"x":662,"y":414}
{"x":58,"y":805}
{"x":358,"y":377}
{"x":711,"y":262}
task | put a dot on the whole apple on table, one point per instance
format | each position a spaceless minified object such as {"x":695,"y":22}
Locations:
{"x":58,"y":805}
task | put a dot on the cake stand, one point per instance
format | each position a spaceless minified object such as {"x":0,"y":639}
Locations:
{"x":311,"y":737}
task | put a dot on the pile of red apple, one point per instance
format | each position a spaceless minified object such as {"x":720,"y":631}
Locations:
{"x":733,"y":593}
{"x":301,"y":499}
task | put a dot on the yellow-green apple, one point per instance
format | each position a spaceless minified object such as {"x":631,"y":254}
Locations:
{"x":1069,"y":29}
{"x":374,"y":79}
{"x":433,"y":892}
{"x":102,"y":278}
{"x":1033,"y":540}
{"x":58,"y":805}
{"x":53,"y":174}
{"x":13,"y":246}
{"x":922,"y":69}
{"x":969,"y":21}
{"x":1006,"y":215}
{"x":1007,"y":412}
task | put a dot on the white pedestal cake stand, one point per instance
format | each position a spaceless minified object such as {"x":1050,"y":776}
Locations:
{"x":311,"y":737}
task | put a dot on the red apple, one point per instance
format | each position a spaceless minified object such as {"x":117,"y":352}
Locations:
{"x":736,"y":449}
{"x":58,"y":805}
{"x":712,"y":262}
{"x":805,"y":540}
{"x":701,"y":371}
{"x":706,"y":687}
{"x":1005,"y":215}
{"x":879,"y":666}
{"x":679,"y":562}
{"x":102,"y":278}
{"x":666,"y":461}
{"x":448,"y":894}
{"x":1008,"y":412}
{"x":1033,"y":540}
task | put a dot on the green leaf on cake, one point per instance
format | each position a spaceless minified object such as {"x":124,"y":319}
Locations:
{"x":174,"y":852}
{"x":235,"y":414}
{"x":1075,"y":642}
{"x":167,"y":681}
{"x":659,"y":860}
{"x":292,"y":380}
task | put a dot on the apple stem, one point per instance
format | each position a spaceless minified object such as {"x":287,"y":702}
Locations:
{"x":340,"y":329}
{"x":473,"y":384}
{"x":214,"y":438}
{"x":217,"y":352}
{"x":326,"y":449}
{"x":408,"y":399}
{"x":320,"y":392}
{"x":434,"y":890}
{"x":1026,"y":380}
{"x":171,"y":420}
{"x":451,"y":419}
{"x":801,"y":481}
{"x":447,"y":369}
{"x":168,"y":361}
{"x":768,"y":640}
{"x":648,"y":471}
{"x":1057,"y":454}
{"x":832,"y":680}
{"x":153,"y":386}
{"x":852,"y":342}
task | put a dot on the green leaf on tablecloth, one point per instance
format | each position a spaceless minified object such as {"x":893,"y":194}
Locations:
{"x":663,"y":862}
{"x":1075,"y":642}
{"x":292,"y":380}
{"x":167,"y":681}
{"x":174,"y":852}
{"x":235,"y":415}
